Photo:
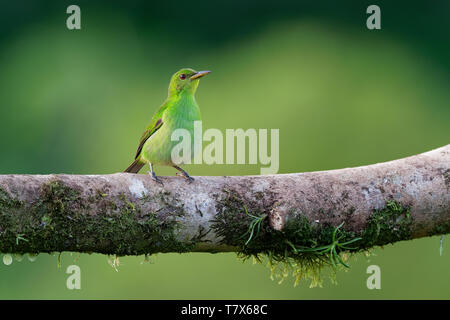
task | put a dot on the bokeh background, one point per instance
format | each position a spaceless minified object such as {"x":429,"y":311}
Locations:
{"x":77,"y":101}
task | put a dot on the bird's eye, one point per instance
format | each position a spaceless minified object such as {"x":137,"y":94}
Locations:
{"x":182,"y":76}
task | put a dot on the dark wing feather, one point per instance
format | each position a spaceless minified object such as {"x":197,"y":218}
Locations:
{"x":147,"y":134}
{"x":154,"y":125}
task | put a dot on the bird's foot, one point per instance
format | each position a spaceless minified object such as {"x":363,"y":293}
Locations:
{"x":155,"y":177}
{"x":186,"y":176}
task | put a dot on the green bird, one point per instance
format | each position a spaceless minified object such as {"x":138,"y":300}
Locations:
{"x":179,"y":111}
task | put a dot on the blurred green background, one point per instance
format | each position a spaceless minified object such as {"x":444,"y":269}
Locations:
{"x":342,"y":95}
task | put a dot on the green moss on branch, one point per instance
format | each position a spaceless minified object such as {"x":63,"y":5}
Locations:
{"x":61,"y":221}
{"x":304,"y":246}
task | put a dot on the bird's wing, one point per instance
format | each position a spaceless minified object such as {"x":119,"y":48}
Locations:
{"x":155,"y":124}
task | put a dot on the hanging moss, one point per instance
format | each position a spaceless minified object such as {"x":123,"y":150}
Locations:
{"x":305,"y":247}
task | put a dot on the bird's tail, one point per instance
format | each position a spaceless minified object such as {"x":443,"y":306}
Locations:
{"x":135,"y":166}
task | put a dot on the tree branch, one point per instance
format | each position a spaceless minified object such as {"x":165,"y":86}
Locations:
{"x":128,"y":214}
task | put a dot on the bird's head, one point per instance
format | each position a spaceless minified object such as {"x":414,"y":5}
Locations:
{"x":185,"y":80}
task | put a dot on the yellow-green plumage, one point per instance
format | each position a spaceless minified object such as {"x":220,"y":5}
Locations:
{"x":179,"y":111}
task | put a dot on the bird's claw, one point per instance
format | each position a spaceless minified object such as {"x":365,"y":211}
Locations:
{"x":187,"y":177}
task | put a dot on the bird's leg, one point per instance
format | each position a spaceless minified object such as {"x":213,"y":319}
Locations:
{"x":152,"y":173}
{"x":184,"y":173}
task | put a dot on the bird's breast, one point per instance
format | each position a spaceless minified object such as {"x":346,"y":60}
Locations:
{"x":177,"y":128}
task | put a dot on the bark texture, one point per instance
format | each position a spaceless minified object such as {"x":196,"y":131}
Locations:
{"x":130,"y":214}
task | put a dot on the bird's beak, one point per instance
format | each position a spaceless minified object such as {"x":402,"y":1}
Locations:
{"x":199,"y":74}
